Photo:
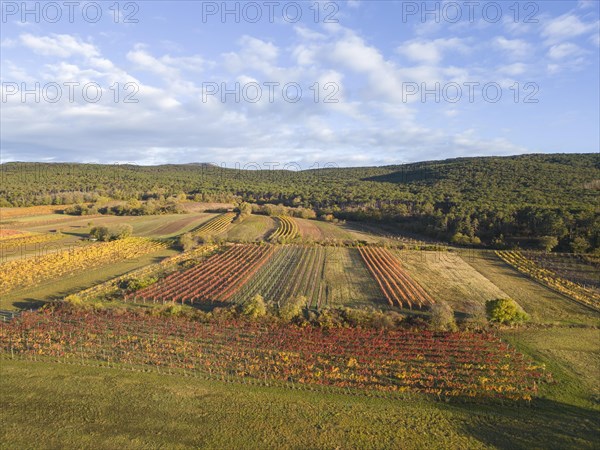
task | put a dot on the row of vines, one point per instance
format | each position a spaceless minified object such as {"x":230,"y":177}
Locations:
{"x":450,"y":364}
{"x":214,"y":280}
{"x":287,"y":229}
{"x":396,"y":284}
{"x":524,"y":265}
{"x":29,"y":272}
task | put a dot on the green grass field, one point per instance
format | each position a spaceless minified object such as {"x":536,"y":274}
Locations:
{"x":253,"y":228}
{"x":65,"y":406}
{"x":445,"y":276}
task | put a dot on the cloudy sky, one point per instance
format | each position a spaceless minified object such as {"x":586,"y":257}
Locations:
{"x":348,"y":83}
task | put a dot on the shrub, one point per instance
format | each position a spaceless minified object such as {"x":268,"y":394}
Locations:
{"x":547,"y":243}
{"x":100,"y":233}
{"x":293,"y":308}
{"x":580,"y":245}
{"x":442,"y":317}
{"x":135,"y":284}
{"x":505,"y":311}
{"x":105,"y":234}
{"x":381,"y":320}
{"x":74,"y":301}
{"x":122,"y":231}
{"x":186,"y":241}
{"x":255,"y":307}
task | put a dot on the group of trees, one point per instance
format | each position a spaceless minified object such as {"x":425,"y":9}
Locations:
{"x":133,"y":207}
{"x":282,"y":210}
{"x":103,"y":233}
{"x":523,"y":200}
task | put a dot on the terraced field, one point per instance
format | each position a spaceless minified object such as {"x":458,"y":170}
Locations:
{"x":215,"y":226}
{"x":287,"y":230}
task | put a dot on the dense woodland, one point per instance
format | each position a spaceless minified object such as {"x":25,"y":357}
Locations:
{"x":545,"y":201}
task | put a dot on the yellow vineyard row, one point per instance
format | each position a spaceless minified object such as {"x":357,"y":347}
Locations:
{"x":287,"y":229}
{"x":216,"y":225}
{"x":19,"y":240}
{"x":24,"y":273}
{"x":550,"y":279}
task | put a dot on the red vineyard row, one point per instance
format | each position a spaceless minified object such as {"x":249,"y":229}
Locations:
{"x":397,"y":286}
{"x":214,"y":280}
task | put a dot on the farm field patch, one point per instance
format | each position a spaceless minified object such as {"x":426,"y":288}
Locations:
{"x":448,"y":277}
{"x":24,"y":273}
{"x":326,"y":276}
{"x":395,"y":283}
{"x":253,"y":228}
{"x":575,"y":268}
{"x":458,"y":364}
{"x":60,"y":287}
{"x":585,"y":296}
{"x":287,"y":229}
{"x":214,"y":280}
{"x":543,"y":304}
{"x":10,"y":213}
{"x":215,"y":226}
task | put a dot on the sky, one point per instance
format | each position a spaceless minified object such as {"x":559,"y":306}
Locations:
{"x":304,"y":84}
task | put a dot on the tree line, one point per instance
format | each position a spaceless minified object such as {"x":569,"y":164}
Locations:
{"x":547,"y":201}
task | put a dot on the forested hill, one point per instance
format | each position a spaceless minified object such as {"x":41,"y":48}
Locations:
{"x":528,"y":195}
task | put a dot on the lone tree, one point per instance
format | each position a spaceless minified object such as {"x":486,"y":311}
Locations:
{"x":505,"y":311}
{"x":100,"y":233}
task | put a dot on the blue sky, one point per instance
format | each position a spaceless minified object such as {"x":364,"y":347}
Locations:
{"x":372,"y":61}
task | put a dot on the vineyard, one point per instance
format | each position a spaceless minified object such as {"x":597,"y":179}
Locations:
{"x":286,"y":231}
{"x":397,"y":286}
{"x":528,"y":267}
{"x":580,"y":269}
{"x":20,"y":239}
{"x":11,"y":234}
{"x":214,"y":280}
{"x":324,"y":275}
{"x":112,"y":289}
{"x":29,"y":272}
{"x":9,"y":213}
{"x":458,"y":364}
{"x":215,"y":226}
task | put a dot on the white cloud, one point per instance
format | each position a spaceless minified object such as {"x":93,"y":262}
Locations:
{"x":61,"y":45}
{"x":513,"y":69}
{"x":255,"y":53}
{"x":430,"y":51}
{"x":515,"y":48}
{"x":567,"y":26}
{"x":171,"y":123}
{"x":562,"y":51}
